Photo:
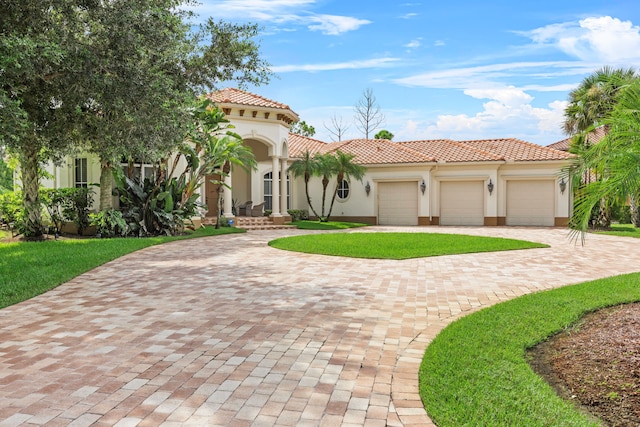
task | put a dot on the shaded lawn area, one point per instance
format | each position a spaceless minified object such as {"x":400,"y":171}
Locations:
{"x":624,"y":230}
{"x":475,"y":371}
{"x":397,"y":245}
{"x":329,"y":225}
{"x":28,"y":269}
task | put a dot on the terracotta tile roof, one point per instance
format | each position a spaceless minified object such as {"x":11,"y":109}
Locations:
{"x":517,"y":150}
{"x":241,"y":97}
{"x":593,"y":137}
{"x":298,"y":144}
{"x":446,"y":150}
{"x":380,"y":152}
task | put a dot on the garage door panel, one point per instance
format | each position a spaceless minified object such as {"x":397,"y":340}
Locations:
{"x":398,"y":203}
{"x":461,"y":203}
{"x":531,"y":203}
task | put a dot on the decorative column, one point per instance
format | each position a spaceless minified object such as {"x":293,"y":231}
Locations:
{"x":275,"y":187}
{"x":226,"y":194}
{"x":283,"y":187}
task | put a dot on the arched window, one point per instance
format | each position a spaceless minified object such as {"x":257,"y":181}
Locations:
{"x":268,"y":191}
{"x":343,"y":190}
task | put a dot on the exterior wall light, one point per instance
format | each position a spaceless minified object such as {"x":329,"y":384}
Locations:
{"x":490,"y":186}
{"x":367,"y":188}
{"x":423,"y":186}
{"x":563,"y":185}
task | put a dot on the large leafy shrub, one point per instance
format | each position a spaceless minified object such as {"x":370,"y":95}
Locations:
{"x":109,"y":223}
{"x":155,"y":206}
{"x":68,"y":204}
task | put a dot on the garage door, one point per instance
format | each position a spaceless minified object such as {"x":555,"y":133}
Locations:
{"x":398,"y":203}
{"x":531,"y":203}
{"x":462,"y":203}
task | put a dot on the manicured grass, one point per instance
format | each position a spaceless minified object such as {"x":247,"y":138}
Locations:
{"x":397,"y":245}
{"x":28,"y":269}
{"x":474,"y":373}
{"x":330,"y":225}
{"x":624,"y":230}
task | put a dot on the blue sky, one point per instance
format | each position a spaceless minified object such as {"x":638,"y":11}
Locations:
{"x":456,"y":69}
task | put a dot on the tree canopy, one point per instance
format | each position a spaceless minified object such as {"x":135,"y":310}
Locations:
{"x":113,"y":77}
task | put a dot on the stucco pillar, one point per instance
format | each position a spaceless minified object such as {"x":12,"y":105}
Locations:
{"x":226,"y":194}
{"x":275,"y":187}
{"x":283,"y":186}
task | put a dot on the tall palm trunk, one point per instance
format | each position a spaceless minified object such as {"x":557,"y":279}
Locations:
{"x":106,"y":184}
{"x":325,"y":184}
{"x":306,"y":190}
{"x":340,"y":178}
{"x":635,"y":210}
{"x":603,"y":221}
{"x":30,"y":167}
{"x":226,"y":169}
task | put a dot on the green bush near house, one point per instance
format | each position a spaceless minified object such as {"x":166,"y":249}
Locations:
{"x":298,"y":214}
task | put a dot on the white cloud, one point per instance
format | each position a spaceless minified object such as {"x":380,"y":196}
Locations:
{"x":357,"y":64}
{"x":409,"y":15}
{"x":281,"y":12}
{"x":335,"y":25}
{"x":597,"y":39}
{"x":482,"y":76}
{"x":413,"y":44}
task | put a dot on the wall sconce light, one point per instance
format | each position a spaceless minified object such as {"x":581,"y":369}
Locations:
{"x":367,"y":188}
{"x":490,"y":186}
{"x":423,"y":186}
{"x":563,"y":185}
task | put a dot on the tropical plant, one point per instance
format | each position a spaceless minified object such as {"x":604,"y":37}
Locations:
{"x":109,"y":223}
{"x":616,"y":159}
{"x":327,"y":169}
{"x":68,"y":204}
{"x":345,"y":169}
{"x":590,"y":105}
{"x":594,"y":99}
{"x":305,"y":166}
{"x":149,"y":206}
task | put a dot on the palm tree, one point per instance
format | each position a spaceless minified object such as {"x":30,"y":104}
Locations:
{"x":327,"y":168}
{"x":592,"y":101}
{"x":345,"y":169}
{"x":617,"y":158}
{"x":306,"y":166}
{"x":590,"y":104}
{"x":211,"y":149}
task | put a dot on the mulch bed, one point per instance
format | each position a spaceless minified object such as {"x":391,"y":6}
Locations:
{"x":596,"y":363}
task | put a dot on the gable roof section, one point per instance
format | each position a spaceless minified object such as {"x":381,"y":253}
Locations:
{"x":241,"y":97}
{"x":446,"y":150}
{"x":298,"y":144}
{"x":512,"y":149}
{"x":382,"y":151}
{"x":593,"y":137}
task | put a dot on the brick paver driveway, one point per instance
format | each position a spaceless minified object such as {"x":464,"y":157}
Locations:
{"x":227,"y":331}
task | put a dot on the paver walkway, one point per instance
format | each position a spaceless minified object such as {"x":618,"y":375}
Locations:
{"x":228,"y":331}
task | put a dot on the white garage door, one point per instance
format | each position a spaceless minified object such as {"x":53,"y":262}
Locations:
{"x":398,"y":203}
{"x":462,"y":203}
{"x":531,"y":203}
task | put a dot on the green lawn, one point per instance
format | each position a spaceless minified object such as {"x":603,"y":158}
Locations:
{"x":28,"y":269}
{"x":397,"y":245}
{"x":330,"y":225}
{"x":624,"y":230}
{"x":474,"y":373}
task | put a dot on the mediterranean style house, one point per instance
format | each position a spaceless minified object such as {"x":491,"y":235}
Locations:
{"x":428,"y":182}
